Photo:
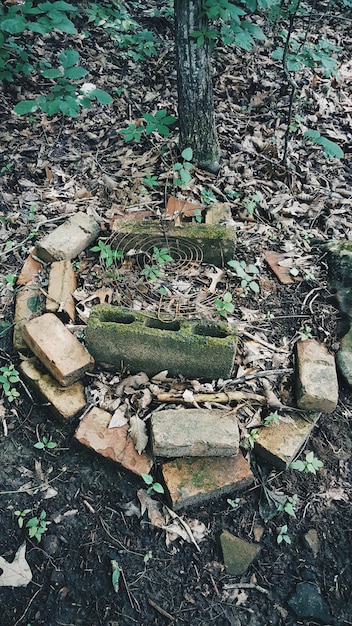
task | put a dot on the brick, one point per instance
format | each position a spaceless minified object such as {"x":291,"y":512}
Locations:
{"x":238,"y":554}
{"x":69,"y":239}
{"x":193,"y":348}
{"x":61,"y":353}
{"x":30,"y":271}
{"x":64,"y":402}
{"x":194,"y":432}
{"x":317,"y":385}
{"x":62,"y":284}
{"x":279,"y":443}
{"x":28,"y":304}
{"x":178,"y":207}
{"x":114,"y":444}
{"x":193,"y":481}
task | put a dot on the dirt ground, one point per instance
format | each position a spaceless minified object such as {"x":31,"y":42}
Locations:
{"x":61,"y":166}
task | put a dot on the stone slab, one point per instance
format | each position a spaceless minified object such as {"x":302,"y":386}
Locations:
{"x":69,"y":239}
{"x":218,"y":213}
{"x":194,"y":432}
{"x":64,"y":402}
{"x":194,"y":348}
{"x":193,"y":481}
{"x":114,"y":444}
{"x":62,"y":284}
{"x":317,"y":386}
{"x":280,"y":443}
{"x":238,"y":554}
{"x":61,"y":353}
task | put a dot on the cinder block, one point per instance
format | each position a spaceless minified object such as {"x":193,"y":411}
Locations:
{"x":69,"y":239}
{"x":60,"y":352}
{"x":317,"y":384}
{"x":64,"y":402}
{"x":62,"y":284}
{"x":114,"y":444}
{"x":194,"y":432}
{"x":196,"y":349}
{"x":193,"y":481}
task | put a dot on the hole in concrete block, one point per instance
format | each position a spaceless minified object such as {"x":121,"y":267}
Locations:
{"x":160,"y":325}
{"x":117,"y":317}
{"x":209,"y":330}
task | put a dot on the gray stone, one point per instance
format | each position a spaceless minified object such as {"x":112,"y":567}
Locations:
{"x":344,"y":357}
{"x":194,"y":432}
{"x":238,"y":554}
{"x":312,"y":540}
{"x":69,"y":239}
{"x":307,"y":603}
{"x":317,"y":385}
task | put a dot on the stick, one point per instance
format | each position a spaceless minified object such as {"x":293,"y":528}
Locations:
{"x":160,"y":610}
{"x":222,"y":397}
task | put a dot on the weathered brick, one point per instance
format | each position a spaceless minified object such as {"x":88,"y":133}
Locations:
{"x":28,"y":304}
{"x":193,"y":481}
{"x":194,"y":432}
{"x":279,"y":443}
{"x":317,"y":384}
{"x":69,"y":239}
{"x":64,"y":402}
{"x":218,"y":213}
{"x":112,"y":443}
{"x":60,"y":352}
{"x":62,"y":284}
{"x":30,"y":271}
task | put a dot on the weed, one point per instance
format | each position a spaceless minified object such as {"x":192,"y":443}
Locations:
{"x":150,"y":181}
{"x":282,"y":535}
{"x":252,"y":437}
{"x":151,"y":272}
{"x":305,"y":334}
{"x":197,"y":215}
{"x":250,"y":203}
{"x":45,"y":443}
{"x":224,"y":305}
{"x":152,"y":486}
{"x":132,"y":132}
{"x":8,"y":377}
{"x":106,"y":254}
{"x":181,"y":169}
{"x":310,"y":465}
{"x":289,"y":506}
{"x":37,"y":526}
{"x":116,"y":571}
{"x":21,"y":515}
{"x":160,"y":122}
{"x":31,"y":213}
{"x":245,"y":273}
{"x":208,"y":197}
{"x":272,"y":418}
{"x":161,"y":256}
{"x":10,"y":279}
{"x":233,"y":503}
{"x":147,"y":557}
{"x":7,"y":167}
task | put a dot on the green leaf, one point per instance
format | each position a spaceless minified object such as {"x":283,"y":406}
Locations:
{"x":158,"y":488}
{"x":14,"y":26}
{"x":68,"y":58}
{"x":75,"y":73}
{"x":187,"y":154}
{"x":40,"y":445}
{"x":26,"y":106}
{"x":52,"y":73}
{"x":102,"y":96}
{"x":34,"y":303}
{"x":148,"y":479}
{"x":254,"y":286}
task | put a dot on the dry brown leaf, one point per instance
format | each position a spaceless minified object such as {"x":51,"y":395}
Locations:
{"x":17,"y":573}
{"x":138,"y":432}
{"x":152,"y":507}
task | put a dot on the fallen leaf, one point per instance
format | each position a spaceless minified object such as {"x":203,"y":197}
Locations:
{"x":17,"y":573}
{"x":138,"y":432}
{"x":119,"y":417}
{"x":152,"y":507}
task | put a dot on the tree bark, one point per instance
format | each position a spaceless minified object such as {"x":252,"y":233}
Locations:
{"x":195,"y":89}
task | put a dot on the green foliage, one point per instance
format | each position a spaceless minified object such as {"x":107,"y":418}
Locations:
{"x":7,"y":167}
{"x":181,"y":169}
{"x":9,"y":376}
{"x":151,"y":272}
{"x":152,"y":486}
{"x":21,"y":516}
{"x":115,"y":577}
{"x":161,"y":255}
{"x":224,"y":305}
{"x":37,"y":526}
{"x":250,"y":203}
{"x":150,"y":181}
{"x":245,"y":273}
{"x":106,"y":255}
{"x":310,"y":465}
{"x":159,"y":122}
{"x":45,"y":443}
{"x":331,"y":149}
{"x":272,"y":418}
{"x":10,"y":279}
{"x":233,"y":503}
{"x":132,"y":132}
{"x":305,"y":334}
{"x":289,"y":506}
{"x":307,"y":54}
{"x":207,"y":197}
{"x":283,"y":536}
{"x":251,"y":438}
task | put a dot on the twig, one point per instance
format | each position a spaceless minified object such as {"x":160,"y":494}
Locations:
{"x":289,"y":79}
{"x":246,"y":586}
{"x":160,"y":610}
{"x":261,"y":374}
{"x":222,"y":397}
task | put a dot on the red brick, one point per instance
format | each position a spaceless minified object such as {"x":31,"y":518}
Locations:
{"x":62,"y":284}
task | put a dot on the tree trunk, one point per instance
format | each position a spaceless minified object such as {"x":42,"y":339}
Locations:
{"x":195,"y":89}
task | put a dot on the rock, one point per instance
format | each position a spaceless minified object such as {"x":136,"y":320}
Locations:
{"x":344,"y":357}
{"x":307,"y":603}
{"x":312,"y":540}
{"x":194,"y":432}
{"x":238,"y":554}
{"x":317,"y":385}
{"x":69,"y":239}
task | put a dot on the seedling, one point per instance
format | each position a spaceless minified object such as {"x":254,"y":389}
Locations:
{"x":161,"y":256}
{"x":150,"y":181}
{"x":233,"y":503}
{"x":7,"y":167}
{"x":245,"y":273}
{"x":224,"y":305}
{"x":252,"y":437}
{"x":207,"y":197}
{"x":181,"y":170}
{"x":197,"y":215}
{"x":305,"y":334}
{"x":116,"y":571}
{"x":283,"y":536}
{"x":132,"y":132}
{"x":21,"y":515}
{"x":45,"y":443}
{"x":273,"y":418}
{"x":106,"y":254}
{"x":9,"y":376}
{"x":289,"y":506}
{"x":151,"y":272}
{"x":159,"y":122}
{"x":310,"y":466}
{"x":250,"y":203}
{"x":37,"y":526}
{"x":152,"y":486}
{"x":148,"y":556}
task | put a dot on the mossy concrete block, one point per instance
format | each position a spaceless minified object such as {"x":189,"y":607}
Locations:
{"x":344,"y":357}
{"x":238,"y":554}
{"x":118,"y":336}
{"x":217,"y":243}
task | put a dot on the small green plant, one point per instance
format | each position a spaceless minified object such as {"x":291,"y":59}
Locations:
{"x":289,"y":506}
{"x":132,"y":132}
{"x":21,"y":516}
{"x":331,"y":149}
{"x":150,"y":181}
{"x":37,"y":526}
{"x":305,"y":334}
{"x":160,"y":122}
{"x":246,"y":273}
{"x":10,"y":279}
{"x":207,"y":197}
{"x":106,"y":254}
{"x":181,"y":169}
{"x":272,"y":418}
{"x":296,"y":122}
{"x":161,"y":256}
{"x":147,"y":557}
{"x":250,"y":203}
{"x":31,"y":213}
{"x":151,"y":272}
{"x":233,"y":503}
{"x":224,"y":305}
{"x":7,"y":167}
{"x":198,"y":216}
{"x":116,"y":571}
{"x":152,"y":486}
{"x":252,"y":437}
{"x":9,"y":376}
{"x":282,"y":535}
{"x":310,"y":465}
{"x":45,"y":443}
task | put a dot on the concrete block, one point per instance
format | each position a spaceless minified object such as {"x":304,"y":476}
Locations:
{"x":317,"y":385}
{"x":69,"y":239}
{"x":238,"y":554}
{"x":193,"y":481}
{"x":29,"y":304}
{"x":62,"y":284}
{"x":216,"y":243}
{"x":61,"y":353}
{"x":194,"y":432}
{"x":194,"y":348}
{"x":64,"y":402}
{"x":114,"y":444}
{"x":280,"y":443}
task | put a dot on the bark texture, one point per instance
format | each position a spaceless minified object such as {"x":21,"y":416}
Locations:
{"x":195,"y":89}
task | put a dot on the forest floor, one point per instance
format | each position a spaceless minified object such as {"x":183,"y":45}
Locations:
{"x":54,"y":167}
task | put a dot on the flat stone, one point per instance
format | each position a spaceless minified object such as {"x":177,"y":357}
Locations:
{"x":307,"y":603}
{"x":317,"y":385}
{"x":61,"y":353}
{"x":238,"y":554}
{"x":69,"y":239}
{"x":194,"y":432}
{"x":279,"y":443}
{"x":114,"y":444}
{"x":28,"y":304}
{"x":193,"y":481}
{"x":62,"y":284}
{"x":344,"y":357}
{"x":64,"y":402}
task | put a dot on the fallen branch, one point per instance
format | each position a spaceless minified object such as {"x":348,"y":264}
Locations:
{"x":223,"y":397}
